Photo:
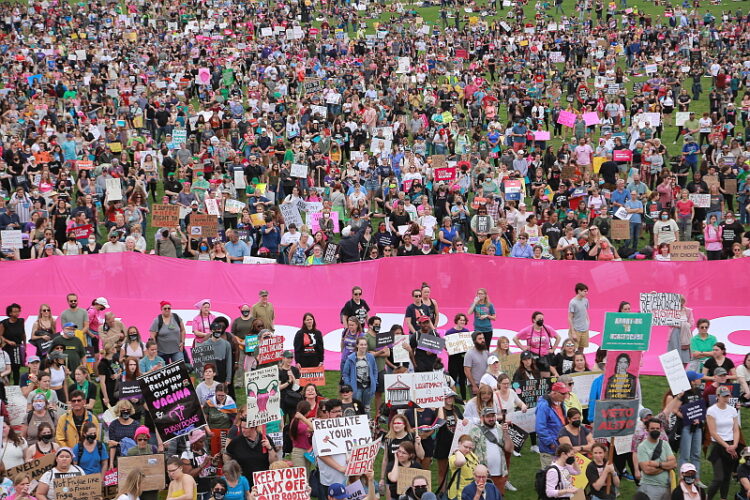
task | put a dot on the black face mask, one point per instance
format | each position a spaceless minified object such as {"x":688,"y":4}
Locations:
{"x":46,"y":438}
{"x":654,"y":434}
{"x":133,"y":337}
{"x":576,"y":423}
{"x":689,"y":479}
{"x":91,"y":438}
{"x":570,"y":460}
{"x":219,"y":495}
{"x":125,"y":414}
{"x":376,"y":328}
{"x":539,"y":322}
{"x":216,"y":334}
{"x":420,"y":490}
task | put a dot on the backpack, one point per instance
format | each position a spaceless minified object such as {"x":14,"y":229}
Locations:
{"x":161,"y":322}
{"x":540,"y":481}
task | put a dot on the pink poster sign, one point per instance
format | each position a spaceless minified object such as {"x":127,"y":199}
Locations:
{"x":567,"y":118}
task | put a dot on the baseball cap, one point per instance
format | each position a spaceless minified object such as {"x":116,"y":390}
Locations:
{"x":262,"y":293}
{"x":490,"y":410}
{"x":560,"y":387}
{"x":33,"y":359}
{"x":492,"y":360}
{"x":420,"y":319}
{"x":70,"y":325}
{"x":337,"y":490}
{"x":693,"y":375}
{"x":287,"y":354}
{"x":723,"y":391}
{"x":102,"y":302}
{"x":687,"y":467}
{"x":645,"y":412}
{"x":718,"y":372}
{"x":345,"y":388}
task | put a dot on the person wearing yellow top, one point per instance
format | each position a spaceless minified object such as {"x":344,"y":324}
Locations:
{"x":461,"y":466}
{"x":182,"y":486}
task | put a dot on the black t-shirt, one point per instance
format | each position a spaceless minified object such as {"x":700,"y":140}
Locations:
{"x":251,"y":456}
{"x":593,"y":472}
{"x":552,"y":232}
{"x":359,"y":311}
{"x":413,"y":311}
{"x":446,"y":433}
{"x":354,"y":408}
{"x":424,"y":360}
{"x":711,"y":365}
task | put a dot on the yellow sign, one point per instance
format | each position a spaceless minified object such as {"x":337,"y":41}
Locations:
{"x":115,"y":147}
{"x":598,"y":160}
{"x":580,"y":481}
{"x":473,"y":20}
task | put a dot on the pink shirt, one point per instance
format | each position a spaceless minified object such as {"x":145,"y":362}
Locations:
{"x":96,"y":318}
{"x":583,"y":154}
{"x":202,"y":324}
{"x":539,"y":342}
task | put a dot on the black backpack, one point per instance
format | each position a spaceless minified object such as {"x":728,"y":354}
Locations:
{"x":540,"y":481}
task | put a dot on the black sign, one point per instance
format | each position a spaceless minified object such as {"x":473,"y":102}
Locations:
{"x":518,"y":436}
{"x":431,"y":343}
{"x":130,"y":389}
{"x":312,"y":86}
{"x":202,"y":354}
{"x":615,"y":417}
{"x":330,"y":256}
{"x":384,"y":339}
{"x":483,"y":224}
{"x":693,"y":411}
{"x":172,"y":401}
{"x":531,"y":390}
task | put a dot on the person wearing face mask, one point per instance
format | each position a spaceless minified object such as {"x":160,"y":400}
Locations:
{"x":133,"y":346}
{"x":550,"y":419}
{"x":222,"y":350}
{"x":39,"y":429}
{"x":731,"y":233}
{"x":58,"y":373}
{"x":688,"y":487}
{"x":123,"y":427}
{"x":90,"y":453}
{"x":219,"y":488}
{"x":558,"y":478}
{"x":380,"y":354}
{"x":575,"y":434}
{"x":654,"y":461}
{"x":71,"y":344}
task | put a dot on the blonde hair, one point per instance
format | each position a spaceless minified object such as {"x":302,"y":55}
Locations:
{"x":132,"y":484}
{"x":123,"y":404}
{"x":407,"y":426}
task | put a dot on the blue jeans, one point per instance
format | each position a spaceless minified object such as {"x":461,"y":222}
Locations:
{"x":172,"y":358}
{"x":635,"y":234}
{"x":363,"y":395}
{"x":690,"y":447}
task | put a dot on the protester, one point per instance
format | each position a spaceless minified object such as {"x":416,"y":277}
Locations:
{"x":655,"y":460}
{"x":64,"y":467}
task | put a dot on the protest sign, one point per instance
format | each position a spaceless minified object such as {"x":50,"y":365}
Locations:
{"x":233,"y":206}
{"x":315,"y":375}
{"x":152,"y":467}
{"x":333,"y":436}
{"x":622,"y":213}
{"x":16,"y":404}
{"x":313,"y":220}
{"x":270,"y":350}
{"x":509,"y":363}
{"x":567,"y":119}
{"x":582,"y":382}
{"x":518,"y":436}
{"x":78,"y":487}
{"x":239,"y":179}
{"x":541,"y":135}
{"x":11,"y":239}
{"x":291,"y":214}
{"x":457,"y":343}
{"x":212,"y":207}
{"x":531,"y":390}
{"x":362,"y":459}
{"x":666,"y":308}
{"x":694,"y":411}
{"x":431,"y":343}
{"x":623,"y":444}
{"x":298,"y":170}
{"x":312,"y":85}
{"x":591,"y":118}
{"x":461,"y":430}
{"x":513,"y":189}
{"x":582,"y":462}
{"x":626,"y":331}
{"x":445,"y":174}
{"x":406,"y":476}
{"x":730,"y":186}
{"x":165,"y":215}
{"x":251,"y":343}
{"x":483,"y":224}
{"x":130,"y":390}
{"x":424,"y":389}
{"x":114,"y":189}
{"x":263,"y":395}
{"x":202,"y":353}
{"x":34,"y":468}
{"x":208,"y":224}
{"x":329,"y":257}
{"x":674,"y":371}
{"x":622,"y":155}
{"x":383,"y":339}
{"x":249,"y":259}
{"x":400,"y":355}
{"x":356,"y":491}
{"x":172,"y":401}
{"x":281,"y":484}
{"x":615,"y":417}
{"x":179,"y":136}
{"x":681,"y":117}
{"x":700,"y":200}
{"x":682,"y":251}
{"x":621,"y":375}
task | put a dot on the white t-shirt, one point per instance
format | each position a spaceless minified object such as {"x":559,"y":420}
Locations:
{"x":49,"y":477}
{"x":724,"y":421}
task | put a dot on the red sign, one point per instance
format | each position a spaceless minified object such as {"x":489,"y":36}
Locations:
{"x":81,"y":232}
{"x":85,"y":164}
{"x":462,"y":53}
{"x":622,"y":155}
{"x":313,"y":31}
{"x":270,"y":350}
{"x":445,"y":174}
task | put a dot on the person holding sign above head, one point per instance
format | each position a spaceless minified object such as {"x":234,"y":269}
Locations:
{"x":63,"y":468}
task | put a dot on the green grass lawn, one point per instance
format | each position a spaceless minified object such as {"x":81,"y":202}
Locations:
{"x":524,"y":468}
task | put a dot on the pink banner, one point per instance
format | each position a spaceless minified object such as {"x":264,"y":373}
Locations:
{"x":591,"y":118}
{"x":135,"y":283}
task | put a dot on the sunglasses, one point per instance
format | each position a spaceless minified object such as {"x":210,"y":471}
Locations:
{"x":142,"y":439}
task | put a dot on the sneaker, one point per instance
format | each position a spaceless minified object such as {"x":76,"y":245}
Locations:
{"x":700,"y":485}
{"x":510,"y":487}
{"x":628,"y":476}
{"x":516,"y":454}
{"x":535,"y":449}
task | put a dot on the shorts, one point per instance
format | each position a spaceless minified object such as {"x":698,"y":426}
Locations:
{"x":583,"y":339}
{"x":380,"y":389}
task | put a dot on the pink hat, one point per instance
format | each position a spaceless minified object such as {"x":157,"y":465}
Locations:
{"x":197,"y":435}
{"x":142,"y":430}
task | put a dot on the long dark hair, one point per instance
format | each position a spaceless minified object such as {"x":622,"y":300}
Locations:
{"x":315,"y":324}
{"x":303,"y":407}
